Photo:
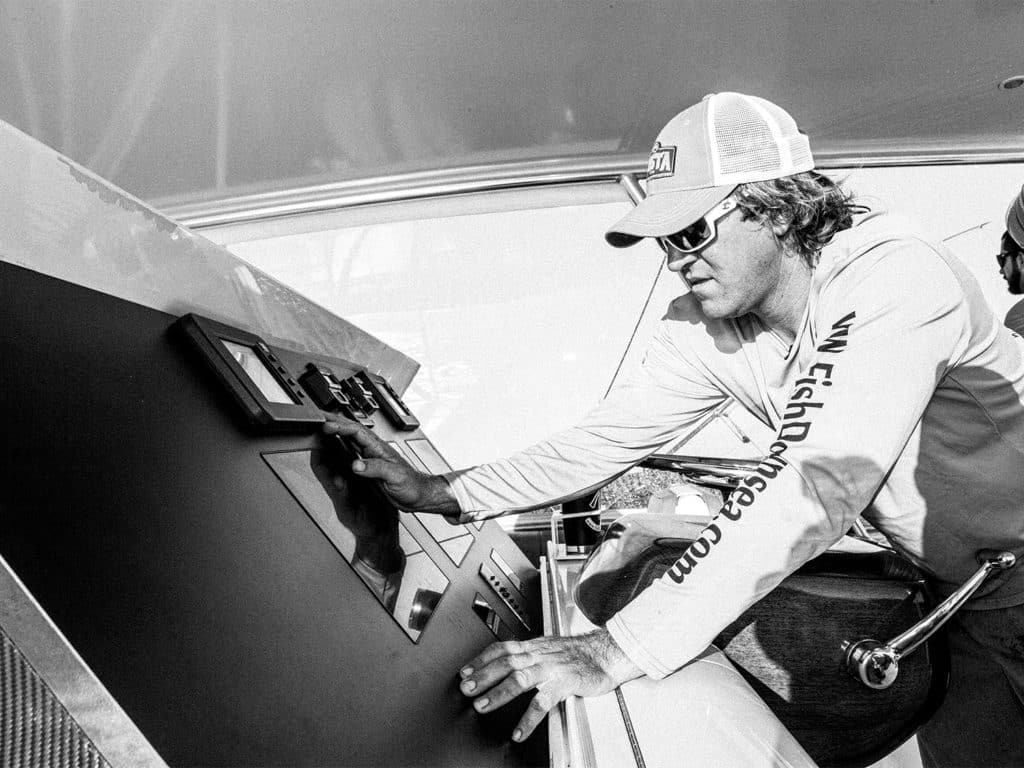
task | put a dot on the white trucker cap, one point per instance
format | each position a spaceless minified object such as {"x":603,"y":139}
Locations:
{"x":1015,"y":219}
{"x":701,"y":156}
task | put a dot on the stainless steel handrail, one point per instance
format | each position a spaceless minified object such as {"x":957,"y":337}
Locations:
{"x":305,"y":197}
{"x":316,"y":198}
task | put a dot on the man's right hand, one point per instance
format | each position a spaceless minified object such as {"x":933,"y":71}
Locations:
{"x":405,"y":486}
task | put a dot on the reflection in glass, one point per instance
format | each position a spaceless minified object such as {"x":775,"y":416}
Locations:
{"x":455,"y":540}
{"x":366,"y":531}
{"x":491,"y":619}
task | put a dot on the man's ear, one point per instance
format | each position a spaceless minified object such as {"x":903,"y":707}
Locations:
{"x":781,"y":228}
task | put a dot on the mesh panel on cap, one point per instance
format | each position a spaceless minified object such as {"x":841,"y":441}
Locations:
{"x":798,"y":150}
{"x":745,"y":142}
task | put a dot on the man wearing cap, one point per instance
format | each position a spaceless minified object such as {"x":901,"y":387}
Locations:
{"x":868,"y":349}
{"x":1011,"y":261}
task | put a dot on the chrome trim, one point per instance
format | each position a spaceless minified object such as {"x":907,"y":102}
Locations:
{"x":983,"y":156}
{"x":710,"y":470}
{"x":558,"y":735}
{"x":631,"y":183}
{"x":396,"y":188}
{"x":318,"y":198}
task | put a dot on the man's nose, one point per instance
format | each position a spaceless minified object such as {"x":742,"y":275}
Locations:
{"x":677,"y":261}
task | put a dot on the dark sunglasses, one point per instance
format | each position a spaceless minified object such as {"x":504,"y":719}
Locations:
{"x":1009,"y":248}
{"x":700,"y":233}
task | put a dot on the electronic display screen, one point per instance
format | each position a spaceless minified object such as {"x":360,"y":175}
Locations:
{"x":258,"y":371}
{"x":379,"y":547}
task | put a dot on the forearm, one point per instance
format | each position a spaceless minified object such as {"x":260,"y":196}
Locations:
{"x":619,"y":667}
{"x":651,"y":406}
{"x":565,"y":466}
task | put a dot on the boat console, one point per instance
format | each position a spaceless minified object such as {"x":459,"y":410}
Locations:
{"x":173,"y":507}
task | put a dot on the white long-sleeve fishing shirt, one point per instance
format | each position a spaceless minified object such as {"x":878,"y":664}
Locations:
{"x":901,"y":398}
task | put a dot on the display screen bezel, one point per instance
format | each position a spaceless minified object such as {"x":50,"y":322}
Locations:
{"x":209,"y":336}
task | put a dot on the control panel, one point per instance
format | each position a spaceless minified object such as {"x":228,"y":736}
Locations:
{"x":271,"y":395}
{"x":507,"y":593}
{"x":377,"y":387}
{"x":337,"y":395}
{"x":390,"y":551}
{"x":508,"y":572}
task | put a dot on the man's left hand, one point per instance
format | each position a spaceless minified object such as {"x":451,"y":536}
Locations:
{"x":558,"y":667}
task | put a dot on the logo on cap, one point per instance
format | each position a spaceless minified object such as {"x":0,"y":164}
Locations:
{"x":662,"y":161}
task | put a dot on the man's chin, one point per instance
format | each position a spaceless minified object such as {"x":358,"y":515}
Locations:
{"x":713,"y":311}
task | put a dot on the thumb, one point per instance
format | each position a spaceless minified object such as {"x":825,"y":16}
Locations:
{"x":378,"y":469}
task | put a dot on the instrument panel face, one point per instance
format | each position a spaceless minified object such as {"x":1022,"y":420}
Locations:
{"x":262,"y":381}
{"x":382,"y":551}
{"x":389,"y":551}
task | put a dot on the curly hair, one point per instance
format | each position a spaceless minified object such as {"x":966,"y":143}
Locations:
{"x":810,"y":206}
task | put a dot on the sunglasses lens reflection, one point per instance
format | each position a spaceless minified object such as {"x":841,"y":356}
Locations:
{"x":691,"y":238}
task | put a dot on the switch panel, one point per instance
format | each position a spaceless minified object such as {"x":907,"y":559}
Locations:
{"x":332,"y":395}
{"x":360,"y":393}
{"x":506,"y":569}
{"x":390,"y":402}
{"x":501,"y":588}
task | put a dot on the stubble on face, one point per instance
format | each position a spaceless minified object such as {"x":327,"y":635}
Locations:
{"x":739,"y":271}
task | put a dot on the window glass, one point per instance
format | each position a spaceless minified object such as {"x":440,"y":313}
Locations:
{"x":518,"y":317}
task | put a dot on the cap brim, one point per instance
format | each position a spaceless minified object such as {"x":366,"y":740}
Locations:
{"x":665,"y":213}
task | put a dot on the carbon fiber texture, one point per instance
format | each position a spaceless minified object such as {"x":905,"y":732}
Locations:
{"x":36,"y":730}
